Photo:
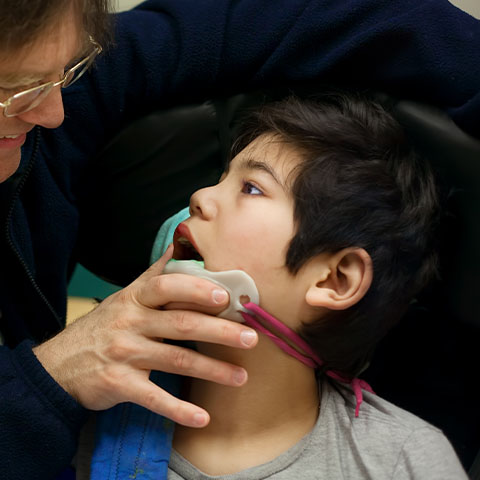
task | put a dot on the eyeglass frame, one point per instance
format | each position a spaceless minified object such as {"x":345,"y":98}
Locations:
{"x":88,"y":60}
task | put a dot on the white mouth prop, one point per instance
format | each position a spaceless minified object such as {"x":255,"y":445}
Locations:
{"x":239,"y":285}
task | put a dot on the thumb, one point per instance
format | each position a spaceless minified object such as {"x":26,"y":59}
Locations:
{"x":157,"y":267}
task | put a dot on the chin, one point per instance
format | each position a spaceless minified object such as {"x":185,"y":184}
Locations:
{"x":8,"y":167}
{"x":6,"y":175}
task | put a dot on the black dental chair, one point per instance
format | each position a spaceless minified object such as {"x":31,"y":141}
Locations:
{"x":427,"y":364}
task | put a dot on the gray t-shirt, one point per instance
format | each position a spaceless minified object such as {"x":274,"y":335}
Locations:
{"x":384,"y":442}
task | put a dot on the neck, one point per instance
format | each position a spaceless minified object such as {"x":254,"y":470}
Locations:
{"x":277,"y":407}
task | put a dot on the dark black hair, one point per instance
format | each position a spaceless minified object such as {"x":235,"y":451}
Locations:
{"x":360,"y":185}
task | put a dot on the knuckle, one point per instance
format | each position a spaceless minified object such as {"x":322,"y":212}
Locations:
{"x":181,"y":359}
{"x":159,"y":283}
{"x":120,"y":322}
{"x":226,"y":332}
{"x":120,"y":349}
{"x":123,"y":297}
{"x":150,"y":401}
{"x":121,"y":314}
{"x":111,"y":378}
{"x":184,"y":323}
{"x":124,"y":319}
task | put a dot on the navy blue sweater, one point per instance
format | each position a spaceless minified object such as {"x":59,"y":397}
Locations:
{"x":167,"y":52}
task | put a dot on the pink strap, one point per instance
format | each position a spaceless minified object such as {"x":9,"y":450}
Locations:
{"x":309,"y":357}
{"x":251,"y":322}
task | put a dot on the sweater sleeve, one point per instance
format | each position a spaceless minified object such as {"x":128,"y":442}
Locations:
{"x":424,"y":50}
{"x":168,"y":52}
{"x":39,"y":421}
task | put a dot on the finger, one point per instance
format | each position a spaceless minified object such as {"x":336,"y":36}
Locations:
{"x":157,"y":267}
{"x":152,"y":397}
{"x":189,"y":325}
{"x":188,"y":362}
{"x":175,"y":287}
{"x":209,"y":310}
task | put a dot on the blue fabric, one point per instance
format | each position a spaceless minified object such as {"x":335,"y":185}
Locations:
{"x":132,"y":442}
{"x":167,"y":52}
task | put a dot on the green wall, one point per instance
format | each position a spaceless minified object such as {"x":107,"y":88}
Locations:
{"x":86,"y":284}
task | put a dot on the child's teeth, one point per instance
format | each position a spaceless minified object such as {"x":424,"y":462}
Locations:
{"x":9,"y":136}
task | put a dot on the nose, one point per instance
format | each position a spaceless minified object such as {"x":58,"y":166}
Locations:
{"x":49,"y":113}
{"x":203,"y":204}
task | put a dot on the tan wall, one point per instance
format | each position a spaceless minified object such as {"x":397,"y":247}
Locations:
{"x":126,"y":4}
{"x":470,"y":6}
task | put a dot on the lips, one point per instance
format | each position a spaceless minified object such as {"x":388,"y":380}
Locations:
{"x":15,"y":142}
{"x":184,"y":247}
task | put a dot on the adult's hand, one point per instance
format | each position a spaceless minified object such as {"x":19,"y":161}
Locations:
{"x":105,"y":357}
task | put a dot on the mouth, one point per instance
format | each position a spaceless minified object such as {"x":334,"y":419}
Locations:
{"x":12,"y":141}
{"x":184,"y":247}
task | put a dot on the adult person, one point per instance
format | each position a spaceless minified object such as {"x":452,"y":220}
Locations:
{"x":166,"y":52}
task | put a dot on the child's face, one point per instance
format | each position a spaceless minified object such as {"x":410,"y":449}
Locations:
{"x":246,"y":221}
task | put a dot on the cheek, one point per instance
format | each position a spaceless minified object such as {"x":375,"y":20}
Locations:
{"x":258,"y":248}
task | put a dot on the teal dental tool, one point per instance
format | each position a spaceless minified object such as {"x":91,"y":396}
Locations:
{"x":239,"y":285}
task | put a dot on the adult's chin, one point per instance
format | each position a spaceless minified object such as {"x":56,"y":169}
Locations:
{"x":9,"y":163}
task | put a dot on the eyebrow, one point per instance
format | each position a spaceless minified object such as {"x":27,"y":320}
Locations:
{"x":250,"y":163}
{"x":13,"y":81}
{"x":19,"y":80}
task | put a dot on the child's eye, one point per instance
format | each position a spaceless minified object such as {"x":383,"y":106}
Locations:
{"x":251,"y":189}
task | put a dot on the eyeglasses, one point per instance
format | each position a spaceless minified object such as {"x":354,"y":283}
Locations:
{"x":27,"y":100}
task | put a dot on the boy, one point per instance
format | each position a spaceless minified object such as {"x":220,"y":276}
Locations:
{"x":332,"y":215}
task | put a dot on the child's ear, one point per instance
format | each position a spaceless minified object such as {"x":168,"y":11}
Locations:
{"x":342,"y":281}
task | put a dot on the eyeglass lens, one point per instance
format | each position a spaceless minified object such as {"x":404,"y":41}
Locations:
{"x":28,"y":100}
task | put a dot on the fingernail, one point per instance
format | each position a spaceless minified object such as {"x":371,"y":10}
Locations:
{"x":219,"y":296}
{"x":240,"y":376}
{"x":199,"y":419}
{"x":248,"y":337}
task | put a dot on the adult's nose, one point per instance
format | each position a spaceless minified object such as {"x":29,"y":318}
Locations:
{"x":49,"y":113}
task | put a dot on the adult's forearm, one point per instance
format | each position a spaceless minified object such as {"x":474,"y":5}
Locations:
{"x":169,"y":52}
{"x":39,"y":421}
{"x":421,"y":49}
